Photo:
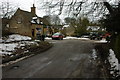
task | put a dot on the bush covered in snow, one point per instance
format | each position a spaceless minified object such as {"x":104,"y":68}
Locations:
{"x":17,"y":46}
{"x":17,"y":37}
{"x":8,"y":48}
{"x":115,"y":66}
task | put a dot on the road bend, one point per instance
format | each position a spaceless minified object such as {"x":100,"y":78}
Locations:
{"x":66,"y":59}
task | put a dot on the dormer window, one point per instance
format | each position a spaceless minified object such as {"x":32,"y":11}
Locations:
{"x":41,"y":22}
{"x":38,"y":21}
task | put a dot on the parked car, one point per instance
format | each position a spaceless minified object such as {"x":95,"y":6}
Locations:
{"x":58,"y":36}
{"x":106,"y":35}
{"x":85,"y":36}
{"x":93,"y":36}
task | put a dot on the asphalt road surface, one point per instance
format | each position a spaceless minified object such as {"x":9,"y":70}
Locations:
{"x":66,"y":59}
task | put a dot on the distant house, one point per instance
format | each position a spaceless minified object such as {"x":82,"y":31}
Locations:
{"x":68,"y":30}
{"x":95,"y":28}
{"x":27,"y":23}
{"x":56,"y":28}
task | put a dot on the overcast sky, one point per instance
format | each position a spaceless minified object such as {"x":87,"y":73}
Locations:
{"x":25,"y":5}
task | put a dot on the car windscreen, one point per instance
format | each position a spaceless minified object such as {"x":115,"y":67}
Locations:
{"x":56,"y":34}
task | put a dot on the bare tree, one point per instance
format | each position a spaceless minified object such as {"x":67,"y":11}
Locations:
{"x":53,"y":19}
{"x":76,"y":8}
{"x":6,"y":9}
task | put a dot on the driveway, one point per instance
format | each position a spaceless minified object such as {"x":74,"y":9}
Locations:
{"x":66,"y":59}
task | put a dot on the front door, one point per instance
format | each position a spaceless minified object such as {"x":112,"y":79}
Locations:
{"x":33,"y":33}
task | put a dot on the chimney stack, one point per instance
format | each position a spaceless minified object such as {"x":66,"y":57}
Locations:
{"x":33,"y":10}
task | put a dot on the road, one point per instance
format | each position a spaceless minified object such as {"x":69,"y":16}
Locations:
{"x":66,"y":59}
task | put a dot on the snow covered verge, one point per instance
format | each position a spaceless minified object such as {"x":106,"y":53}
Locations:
{"x":17,"y":46}
{"x":10,"y":48}
{"x":69,"y":37}
{"x":114,"y":64}
{"x":8,"y":45}
{"x":79,"y":38}
{"x":15,"y":37}
{"x":101,"y":41}
{"x":106,"y":57}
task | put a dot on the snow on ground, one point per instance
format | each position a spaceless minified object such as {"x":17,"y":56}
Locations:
{"x":8,"y":48}
{"x":47,"y":38}
{"x":17,"y":37}
{"x":84,"y":38}
{"x":101,"y":41}
{"x":113,"y":62}
{"x":68,"y":37}
{"x":94,"y":55}
{"x":80,"y":38}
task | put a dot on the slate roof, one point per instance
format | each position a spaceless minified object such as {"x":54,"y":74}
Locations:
{"x":27,"y":15}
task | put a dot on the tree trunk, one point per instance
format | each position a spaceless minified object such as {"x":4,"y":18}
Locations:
{"x":109,"y":7}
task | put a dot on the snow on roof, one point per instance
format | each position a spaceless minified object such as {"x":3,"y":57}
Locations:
{"x":34,"y":17}
{"x":33,"y":21}
{"x":36,"y":20}
{"x":41,"y":22}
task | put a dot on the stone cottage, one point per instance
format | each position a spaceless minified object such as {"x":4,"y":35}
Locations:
{"x":27,"y":23}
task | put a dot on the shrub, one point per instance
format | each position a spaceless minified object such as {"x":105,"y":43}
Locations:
{"x":117,"y":47}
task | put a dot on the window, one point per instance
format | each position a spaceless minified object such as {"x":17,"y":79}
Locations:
{"x":7,"y":25}
{"x":19,"y":21}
